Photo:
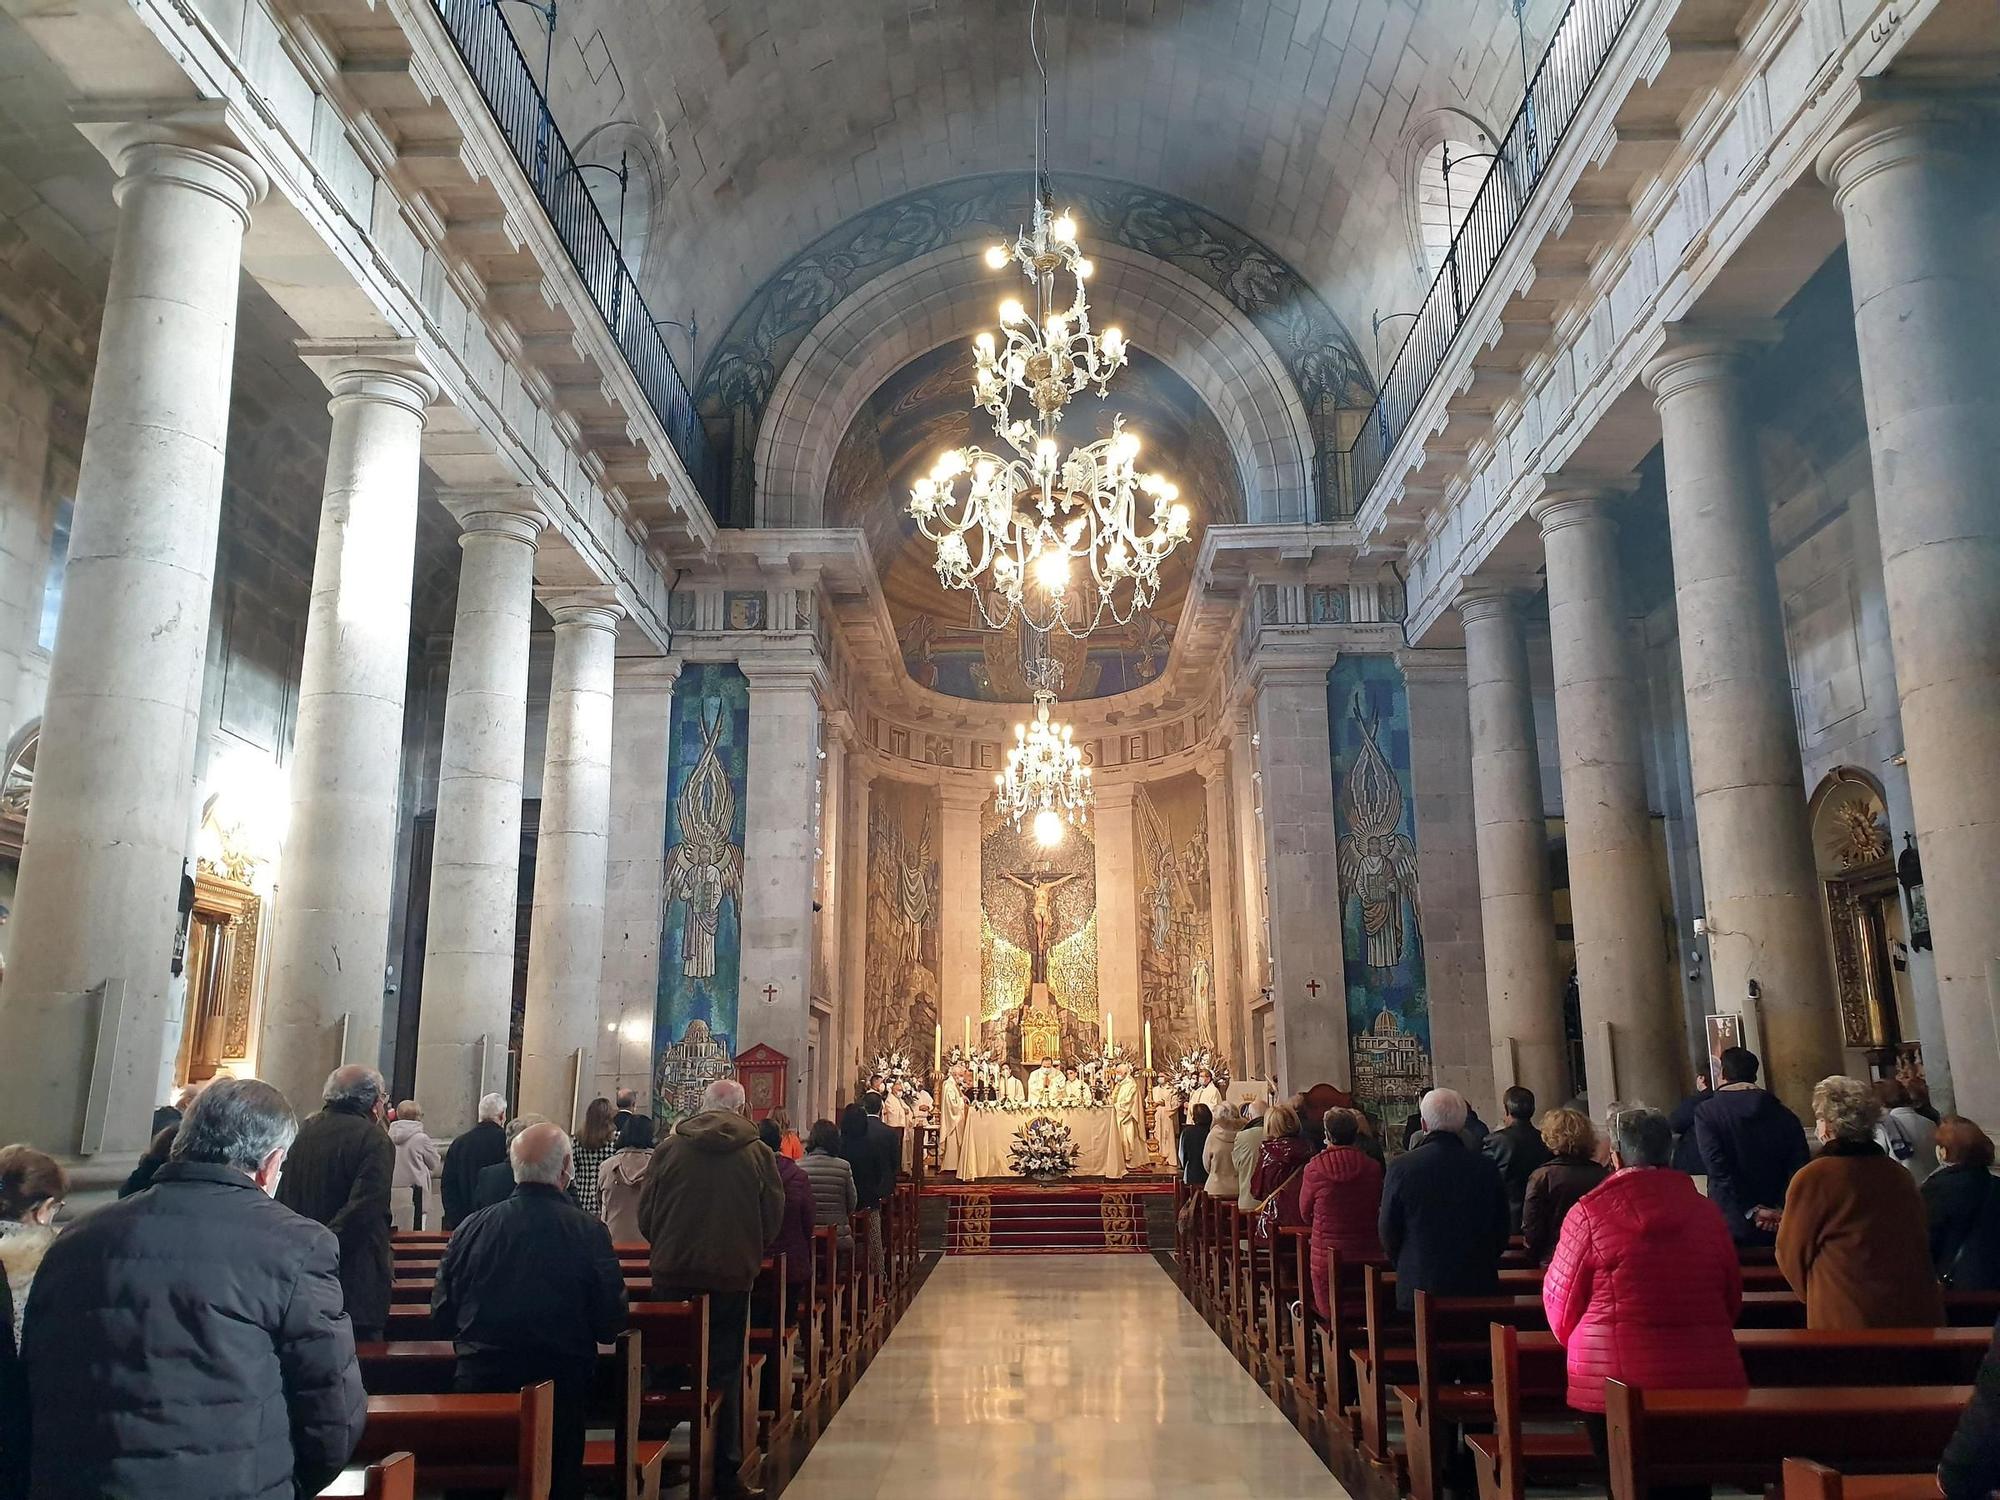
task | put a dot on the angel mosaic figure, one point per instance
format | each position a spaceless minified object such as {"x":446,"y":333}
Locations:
{"x":705,"y":867}
{"x":1378,"y":863}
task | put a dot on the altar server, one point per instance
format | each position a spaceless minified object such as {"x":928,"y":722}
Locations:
{"x":1166,"y":1122}
{"x":1075,"y":1093}
{"x":1205,"y":1092}
{"x":1010,"y":1088}
{"x":895,"y":1113}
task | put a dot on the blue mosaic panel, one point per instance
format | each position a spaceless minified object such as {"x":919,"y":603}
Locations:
{"x":701,"y":931}
{"x":1381,"y":913}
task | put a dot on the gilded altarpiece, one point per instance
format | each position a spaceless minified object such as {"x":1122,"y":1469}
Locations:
{"x":1011,"y":868}
{"x":1176,"y":943}
{"x":903,"y":931}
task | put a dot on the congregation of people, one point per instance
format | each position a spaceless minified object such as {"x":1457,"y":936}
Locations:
{"x":197,"y":1338}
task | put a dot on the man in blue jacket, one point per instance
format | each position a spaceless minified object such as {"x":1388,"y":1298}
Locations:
{"x":1750,"y":1145}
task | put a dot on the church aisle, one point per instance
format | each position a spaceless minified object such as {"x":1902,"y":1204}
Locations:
{"x":1033,"y":1377}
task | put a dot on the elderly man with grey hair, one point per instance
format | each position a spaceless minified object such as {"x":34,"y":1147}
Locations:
{"x":528,"y":1289}
{"x":712,"y":1204}
{"x":340,"y":1174}
{"x":1443,"y":1219}
{"x":484,"y":1145}
{"x":188,"y":1343}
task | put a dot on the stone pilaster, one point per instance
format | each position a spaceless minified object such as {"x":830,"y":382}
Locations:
{"x":1524,"y":984}
{"x":1759,"y":881}
{"x":1224,"y":980}
{"x":566,"y":943}
{"x":468,"y":981}
{"x":1116,"y":833}
{"x":959,"y":906}
{"x":851,"y":1005}
{"x":1631,"y":1026}
{"x":1253,"y":953}
{"x":330,"y":932}
{"x":85,"y":1019}
{"x":1911,"y":179}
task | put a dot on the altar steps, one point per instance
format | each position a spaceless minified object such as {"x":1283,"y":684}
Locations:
{"x":1074,"y":1219}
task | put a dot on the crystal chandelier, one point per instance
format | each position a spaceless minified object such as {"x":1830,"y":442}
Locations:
{"x":1045,"y":780}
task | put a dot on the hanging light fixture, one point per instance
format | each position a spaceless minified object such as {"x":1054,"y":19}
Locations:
{"x":1059,"y":541}
{"x":1045,"y":781}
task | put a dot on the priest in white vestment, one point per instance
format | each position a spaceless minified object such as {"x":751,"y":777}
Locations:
{"x":951,"y":1133}
{"x":1045,"y":1085}
{"x":1075,"y":1092}
{"x":1131,"y":1124}
{"x":1010,"y":1088}
{"x":895,"y":1113}
{"x":1205,"y":1093}
{"x":1166,"y":1122}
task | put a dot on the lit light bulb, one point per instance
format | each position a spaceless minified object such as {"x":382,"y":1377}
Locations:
{"x":984,"y":344}
{"x":996,"y":256}
{"x":1052,"y":571}
{"x":1011,"y":311}
{"x":1045,"y":452}
{"x":1177,"y":519}
{"x":1064,"y":229}
{"x":1127,"y":446}
{"x":1084,"y":269}
{"x":1114,"y":340}
{"x":1048,"y":828}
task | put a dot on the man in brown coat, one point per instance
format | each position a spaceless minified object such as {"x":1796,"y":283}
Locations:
{"x":339,"y":1174}
{"x":711,"y":1205}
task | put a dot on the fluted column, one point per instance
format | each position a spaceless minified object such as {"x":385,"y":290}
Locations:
{"x":1912,"y":180}
{"x":1524,"y":983}
{"x":84,"y":1013}
{"x":1631,"y":1026}
{"x":330,"y":932}
{"x":566,"y":941}
{"x":1759,"y":878}
{"x":468,"y":983}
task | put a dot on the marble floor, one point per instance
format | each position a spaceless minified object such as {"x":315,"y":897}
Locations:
{"x":1082,"y":1377}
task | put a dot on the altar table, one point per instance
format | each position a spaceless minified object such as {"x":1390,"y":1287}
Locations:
{"x":989,"y":1135}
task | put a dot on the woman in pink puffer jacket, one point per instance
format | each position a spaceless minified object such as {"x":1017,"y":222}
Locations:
{"x":1645,"y":1285}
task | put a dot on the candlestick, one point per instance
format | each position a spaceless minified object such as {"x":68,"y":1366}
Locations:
{"x":968,"y":1036}
{"x":1149,"y":1044}
{"x":937,"y":1051}
{"x":1110,"y":1030}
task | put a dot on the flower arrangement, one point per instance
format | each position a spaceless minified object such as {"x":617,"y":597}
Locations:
{"x":894,"y":1069}
{"x":1101,"y":1072}
{"x":1186,"y":1075}
{"x":1043,"y":1148}
{"x":979,"y":1059}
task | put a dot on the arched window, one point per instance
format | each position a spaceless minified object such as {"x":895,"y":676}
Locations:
{"x":1448,"y":175}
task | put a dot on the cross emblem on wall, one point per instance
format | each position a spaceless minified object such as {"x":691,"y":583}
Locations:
{"x":770,"y":993}
{"x":1312,"y":988}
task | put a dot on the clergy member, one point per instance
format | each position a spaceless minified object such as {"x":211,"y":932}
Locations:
{"x":951,"y":1134}
{"x":1045,"y":1084}
{"x":895,"y":1113}
{"x":1205,"y":1092}
{"x":1125,"y":1110}
{"x":1076,"y":1093}
{"x":1011,"y":1091}
{"x":1166,"y":1121}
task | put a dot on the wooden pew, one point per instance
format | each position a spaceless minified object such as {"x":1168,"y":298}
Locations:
{"x":1454,"y":1376}
{"x":1742,"y":1438}
{"x":774,"y":1339}
{"x":468,"y":1442}
{"x":673,"y":1353}
{"x":1806,"y":1480}
{"x":395,"y":1478}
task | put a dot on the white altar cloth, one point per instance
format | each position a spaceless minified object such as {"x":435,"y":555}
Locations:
{"x":989,"y":1133}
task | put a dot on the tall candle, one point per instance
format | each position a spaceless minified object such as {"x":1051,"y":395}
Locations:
{"x":1110,"y":1030}
{"x":1149,"y":1045}
{"x":968,"y":1036}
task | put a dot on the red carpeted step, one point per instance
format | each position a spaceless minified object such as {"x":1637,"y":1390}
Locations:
{"x":1072,"y":1219}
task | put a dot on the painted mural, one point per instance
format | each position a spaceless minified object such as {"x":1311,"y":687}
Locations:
{"x":1176,"y":943}
{"x":1038,"y":911}
{"x":1381,"y":911}
{"x":701,"y":919}
{"x":903,"y":931}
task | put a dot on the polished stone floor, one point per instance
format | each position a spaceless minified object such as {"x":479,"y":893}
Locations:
{"x":1082,"y":1377}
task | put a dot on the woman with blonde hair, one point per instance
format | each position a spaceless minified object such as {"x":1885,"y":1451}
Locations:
{"x":1854,"y":1239}
{"x":1218,"y":1154}
{"x":1555,"y":1187}
{"x":789,"y":1144}
{"x":1282,"y":1158}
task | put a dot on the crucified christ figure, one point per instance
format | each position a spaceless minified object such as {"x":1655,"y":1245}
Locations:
{"x":1041,"y":886}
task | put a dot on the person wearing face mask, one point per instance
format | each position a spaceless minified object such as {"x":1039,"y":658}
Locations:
{"x":189,"y":1342}
{"x":32,"y":1187}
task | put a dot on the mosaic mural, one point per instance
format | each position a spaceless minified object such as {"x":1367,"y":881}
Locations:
{"x":1176,"y":944}
{"x":1011,"y":868}
{"x":1381,"y":912}
{"x":903,"y":932}
{"x":701,"y":920}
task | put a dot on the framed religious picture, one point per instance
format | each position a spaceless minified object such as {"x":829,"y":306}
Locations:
{"x":763,"y":1071}
{"x":1724,"y":1032}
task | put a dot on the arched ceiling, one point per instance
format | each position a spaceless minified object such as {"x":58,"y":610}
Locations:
{"x":925,"y":408}
{"x":777,"y":120}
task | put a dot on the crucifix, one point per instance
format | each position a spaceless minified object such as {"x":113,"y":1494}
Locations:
{"x":770,"y":993}
{"x":1312,"y":988}
{"x":1041,"y":886}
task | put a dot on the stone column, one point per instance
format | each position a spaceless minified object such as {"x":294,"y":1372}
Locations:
{"x":1524,"y":984}
{"x":84,"y":1018}
{"x":829,"y":931}
{"x":330,"y":931}
{"x":1302,"y":874}
{"x":566,"y":943}
{"x":1759,"y":880}
{"x":1247,"y":850}
{"x":642,"y":706}
{"x":468,"y":983}
{"x":1225,"y":994}
{"x":1631,"y":1028}
{"x":851,"y":1006}
{"x":778,"y":863}
{"x":960,"y":899}
{"x":1115,"y":832}
{"x":1912,"y":179}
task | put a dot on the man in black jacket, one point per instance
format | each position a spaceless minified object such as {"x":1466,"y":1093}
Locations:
{"x":338,"y":1174}
{"x":1751,"y":1145}
{"x":469,"y":1155}
{"x":189,"y":1343}
{"x":1517,"y":1149}
{"x":528,"y":1289}
{"x":1443,"y":1219}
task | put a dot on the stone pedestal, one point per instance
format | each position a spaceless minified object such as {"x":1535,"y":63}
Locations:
{"x":1912,"y":180}
{"x":468,"y":982}
{"x":1524,"y":984}
{"x":84,"y":1018}
{"x":1759,"y":881}
{"x":1631,"y":1024}
{"x":566,"y":946}
{"x":330,"y":932}
{"x":1112,"y":826}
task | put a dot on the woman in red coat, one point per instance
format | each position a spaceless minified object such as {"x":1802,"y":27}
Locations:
{"x":1645,"y":1285}
{"x":1340,"y":1198}
{"x":1281,"y":1165}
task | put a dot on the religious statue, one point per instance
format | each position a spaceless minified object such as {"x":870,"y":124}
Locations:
{"x":1041,"y":886}
{"x":1378,"y":863}
{"x":705,"y":866}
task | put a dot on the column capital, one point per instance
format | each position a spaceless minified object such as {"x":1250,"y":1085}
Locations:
{"x":1898,"y":126}
{"x":1211,"y":763}
{"x":389,"y":371}
{"x":796,"y":671}
{"x":589,"y":608}
{"x":955,"y":795}
{"x":1476,"y":602}
{"x":508,"y":511}
{"x":1115,"y":796}
{"x":1697,"y":353}
{"x":192,"y":145}
{"x":1572,"y":499}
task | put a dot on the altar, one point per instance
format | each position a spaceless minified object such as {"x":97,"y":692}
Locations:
{"x":989,"y":1133}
